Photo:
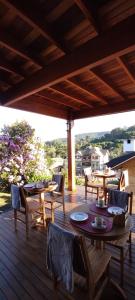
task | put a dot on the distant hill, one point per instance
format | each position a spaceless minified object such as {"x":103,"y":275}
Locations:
{"x":91,"y":135}
{"x":113,"y":135}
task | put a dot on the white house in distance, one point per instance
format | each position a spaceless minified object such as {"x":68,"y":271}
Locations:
{"x":91,"y":156}
{"x":129,"y":145}
{"x":98,"y":158}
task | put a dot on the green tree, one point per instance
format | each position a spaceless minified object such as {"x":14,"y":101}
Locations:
{"x":18,"y":154}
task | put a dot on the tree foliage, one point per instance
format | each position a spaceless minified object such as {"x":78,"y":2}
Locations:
{"x":56,"y":148}
{"x":18,"y":153}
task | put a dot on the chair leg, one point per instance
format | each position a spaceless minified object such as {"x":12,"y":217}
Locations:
{"x":86,"y":192}
{"x":44,"y":214}
{"x":121,"y":266}
{"x":97,"y":193}
{"x":130,"y":247}
{"x":63,"y":205}
{"x":15,"y":219}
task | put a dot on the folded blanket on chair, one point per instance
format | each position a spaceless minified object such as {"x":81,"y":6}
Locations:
{"x":60,"y":255}
{"x":118,"y":198}
{"x":15,"y":196}
{"x":57,"y":178}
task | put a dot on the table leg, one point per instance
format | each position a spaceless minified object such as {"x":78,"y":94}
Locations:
{"x":42,"y":203}
{"x":104,"y":186}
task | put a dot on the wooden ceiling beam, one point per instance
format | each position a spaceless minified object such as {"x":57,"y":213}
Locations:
{"x":60,"y":9}
{"x":87,"y":13}
{"x":36,"y":105}
{"x":29,"y":12}
{"x":4,"y":81}
{"x":54,"y":100}
{"x":8,"y":66}
{"x":72,"y":98}
{"x":107,"y":83}
{"x":108,"y":109}
{"x":126,"y":68}
{"x":82,"y":87}
{"x":117,"y":41}
{"x":8,"y":42}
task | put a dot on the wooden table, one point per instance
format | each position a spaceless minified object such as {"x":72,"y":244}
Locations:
{"x":104,"y":176}
{"x":115,"y":234}
{"x":35,"y":190}
{"x":40,"y":190}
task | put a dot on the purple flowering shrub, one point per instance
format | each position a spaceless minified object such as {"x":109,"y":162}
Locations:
{"x":18,"y":157}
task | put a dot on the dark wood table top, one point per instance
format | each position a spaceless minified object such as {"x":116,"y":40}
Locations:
{"x":116,"y":232}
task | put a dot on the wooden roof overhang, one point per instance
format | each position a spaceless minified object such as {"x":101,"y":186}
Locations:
{"x":68,"y":59}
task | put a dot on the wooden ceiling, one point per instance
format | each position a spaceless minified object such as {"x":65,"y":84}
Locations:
{"x":67,"y":58}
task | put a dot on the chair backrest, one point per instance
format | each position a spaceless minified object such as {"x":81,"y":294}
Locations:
{"x":60,"y":179}
{"x":23,"y":197}
{"x":88,"y":175}
{"x":87,"y":171}
{"x":61,"y":249}
{"x":121,"y":184}
{"x":120,"y":198}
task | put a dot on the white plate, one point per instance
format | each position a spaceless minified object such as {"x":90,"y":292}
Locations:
{"x":39,"y":185}
{"x":104,"y":206}
{"x":29,"y":185}
{"x":52,"y":182}
{"x":115,"y":210}
{"x":79,"y":216}
{"x":102,"y":226}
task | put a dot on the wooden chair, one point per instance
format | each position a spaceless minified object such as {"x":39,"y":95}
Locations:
{"x":55,"y":199}
{"x":91,"y":185}
{"x":122,"y":246}
{"x":120,"y":185}
{"x":28,"y":206}
{"x":90,"y":265}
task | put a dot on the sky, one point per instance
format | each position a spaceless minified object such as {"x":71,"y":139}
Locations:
{"x":48,"y":128}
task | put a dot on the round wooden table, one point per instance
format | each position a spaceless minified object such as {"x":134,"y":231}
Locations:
{"x":104,"y":176}
{"x":115,"y":233}
{"x":36,"y":189}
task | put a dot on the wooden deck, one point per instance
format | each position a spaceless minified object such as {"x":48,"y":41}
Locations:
{"x":23,"y":273}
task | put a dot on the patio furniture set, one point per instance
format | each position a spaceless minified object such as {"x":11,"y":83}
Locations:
{"x":105,"y":222}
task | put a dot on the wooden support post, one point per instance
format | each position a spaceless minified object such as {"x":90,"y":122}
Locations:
{"x":71,"y":155}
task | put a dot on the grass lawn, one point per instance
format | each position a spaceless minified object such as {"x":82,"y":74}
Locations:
{"x":4,"y":201}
